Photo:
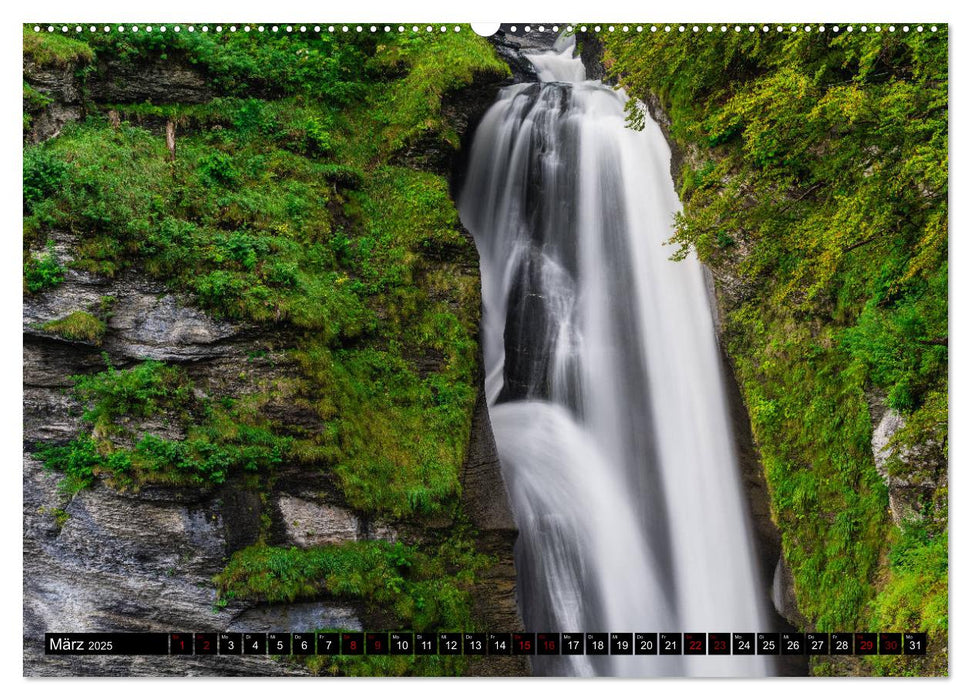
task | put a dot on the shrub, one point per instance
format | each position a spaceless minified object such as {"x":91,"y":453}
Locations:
{"x":141,"y":392}
{"x":44,"y":272}
{"x":317,"y":139}
{"x":44,"y":173}
{"x":217,"y":169}
{"x":78,"y":460}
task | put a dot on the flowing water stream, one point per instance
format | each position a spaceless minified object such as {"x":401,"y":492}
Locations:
{"x":604,"y":381}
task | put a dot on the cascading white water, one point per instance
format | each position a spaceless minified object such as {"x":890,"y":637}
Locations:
{"x":603,"y":380}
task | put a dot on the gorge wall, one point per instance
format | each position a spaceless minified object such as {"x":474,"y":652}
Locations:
{"x":155,"y":551}
{"x":825,"y":368}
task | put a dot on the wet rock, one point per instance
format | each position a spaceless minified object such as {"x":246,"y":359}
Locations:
{"x":159,"y":327}
{"x":528,"y":336}
{"x":387,"y":531}
{"x":116,"y":562}
{"x":591,"y":55}
{"x":155,"y":80}
{"x":59,"y":84}
{"x":484,"y":496}
{"x":510,"y":45}
{"x":486,"y":502}
{"x":140,"y":561}
{"x":298,"y":617}
{"x":784,"y":594}
{"x":310,"y":524}
{"x":145,"y":320}
{"x":50,"y":413}
{"x":908,"y":490}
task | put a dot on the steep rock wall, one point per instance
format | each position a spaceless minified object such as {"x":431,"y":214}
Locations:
{"x":109,"y":560}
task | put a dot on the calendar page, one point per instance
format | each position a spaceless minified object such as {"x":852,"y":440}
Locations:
{"x":557,"y":349}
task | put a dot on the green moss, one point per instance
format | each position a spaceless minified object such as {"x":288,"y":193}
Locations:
{"x":810,"y":421}
{"x":33,"y":99}
{"x":47,"y":49}
{"x":61,"y":517}
{"x":78,"y":325}
{"x":910,"y":600}
{"x":397,"y":439}
{"x":412,"y":106}
{"x":287,"y":209}
{"x":424,"y":589}
{"x":221,"y":437}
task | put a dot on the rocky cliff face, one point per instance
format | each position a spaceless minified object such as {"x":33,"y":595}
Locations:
{"x":104,"y":560}
{"x":62,"y":87}
{"x":912,"y":474}
{"x":108,"y":560}
{"x":143,"y":561}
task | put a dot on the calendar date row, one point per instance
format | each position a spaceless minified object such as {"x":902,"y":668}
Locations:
{"x":492,"y":644}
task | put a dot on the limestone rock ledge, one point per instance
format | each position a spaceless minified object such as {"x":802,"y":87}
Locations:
{"x":912,"y":474}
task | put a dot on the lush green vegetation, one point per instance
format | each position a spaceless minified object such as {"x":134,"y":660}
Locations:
{"x":43,"y":271}
{"x":49,"y":52}
{"x":218,"y":438}
{"x":140,"y":392}
{"x":283,"y":205}
{"x":78,"y":325}
{"x":46,"y":49}
{"x":293,"y":203}
{"x":422,"y":594}
{"x":422,"y":589}
{"x":815,"y":186}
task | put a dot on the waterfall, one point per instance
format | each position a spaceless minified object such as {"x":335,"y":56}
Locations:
{"x":603,"y":380}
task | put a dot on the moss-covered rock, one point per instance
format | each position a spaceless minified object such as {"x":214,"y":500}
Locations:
{"x":296,"y":304}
